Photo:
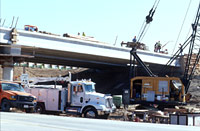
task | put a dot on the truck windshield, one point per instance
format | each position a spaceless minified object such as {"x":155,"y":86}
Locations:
{"x":89,"y":88}
{"x":12,"y":87}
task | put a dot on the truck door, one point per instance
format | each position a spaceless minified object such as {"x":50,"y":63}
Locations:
{"x":78,"y":95}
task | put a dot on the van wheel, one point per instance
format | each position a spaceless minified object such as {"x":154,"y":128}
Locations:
{"x":39,"y":109}
{"x":5,"y":105}
{"x":90,"y":113}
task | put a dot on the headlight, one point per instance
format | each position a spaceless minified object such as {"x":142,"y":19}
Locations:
{"x":13,"y":97}
{"x":34,"y":100}
{"x":109,"y":102}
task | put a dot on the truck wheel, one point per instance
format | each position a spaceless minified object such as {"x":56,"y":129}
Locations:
{"x":90,"y":113}
{"x":104,"y":116}
{"x":39,"y":109}
{"x":5,"y":105}
{"x":29,"y":110}
{"x":161,"y":107}
{"x":118,"y":107}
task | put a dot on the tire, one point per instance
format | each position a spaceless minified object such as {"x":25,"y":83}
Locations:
{"x":118,"y":107}
{"x":5,"y":105}
{"x":161,"y":107}
{"x":104,"y":116}
{"x":40,"y":109}
{"x":90,"y":113}
{"x":29,"y":110}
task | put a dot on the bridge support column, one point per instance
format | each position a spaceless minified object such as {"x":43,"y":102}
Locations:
{"x":8,"y":71}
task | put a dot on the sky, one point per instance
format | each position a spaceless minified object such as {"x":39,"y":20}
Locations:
{"x":105,"y":20}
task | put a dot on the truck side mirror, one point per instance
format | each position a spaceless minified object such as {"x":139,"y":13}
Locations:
{"x":74,"y":89}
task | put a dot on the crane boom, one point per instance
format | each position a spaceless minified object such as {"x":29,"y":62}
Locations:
{"x":140,"y":62}
{"x":188,"y":71}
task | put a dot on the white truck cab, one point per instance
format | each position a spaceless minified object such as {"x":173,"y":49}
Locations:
{"x":77,"y":97}
{"x":92,"y":103}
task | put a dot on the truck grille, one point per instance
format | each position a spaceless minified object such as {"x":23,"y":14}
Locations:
{"x":109,"y":102}
{"x":25,"y":98}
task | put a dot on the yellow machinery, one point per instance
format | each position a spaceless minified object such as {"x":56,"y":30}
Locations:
{"x":157,"y":90}
{"x":163,"y":91}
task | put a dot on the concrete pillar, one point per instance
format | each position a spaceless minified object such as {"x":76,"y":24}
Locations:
{"x":8,"y":71}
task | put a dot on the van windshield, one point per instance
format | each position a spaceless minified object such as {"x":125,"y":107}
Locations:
{"x":89,"y":88}
{"x":12,"y":87}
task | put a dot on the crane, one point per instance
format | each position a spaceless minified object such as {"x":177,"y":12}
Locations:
{"x":155,"y":89}
{"x":136,"y":45}
{"x":191,"y":41}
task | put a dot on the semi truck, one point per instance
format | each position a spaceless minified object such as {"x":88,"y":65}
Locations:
{"x":66,"y":96}
{"x":13,"y":95}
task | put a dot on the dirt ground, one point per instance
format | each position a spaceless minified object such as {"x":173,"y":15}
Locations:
{"x":195,"y":91}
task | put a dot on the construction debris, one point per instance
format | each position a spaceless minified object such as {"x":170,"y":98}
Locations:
{"x":138,"y":45}
{"x":85,"y":38}
{"x":49,"y":33}
{"x":138,"y":113}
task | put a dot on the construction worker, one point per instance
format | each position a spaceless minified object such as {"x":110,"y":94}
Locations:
{"x":158,"y":44}
{"x":134,"y":39}
{"x":155,"y":47}
{"x":83,"y":34}
{"x":166,"y":51}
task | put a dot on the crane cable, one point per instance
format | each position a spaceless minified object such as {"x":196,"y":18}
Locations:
{"x":145,"y":31}
{"x":149,"y":19}
{"x":141,"y":28}
{"x":145,"y":19}
{"x":182,"y":26}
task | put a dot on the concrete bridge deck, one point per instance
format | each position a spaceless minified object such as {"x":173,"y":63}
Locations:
{"x":52,"y":49}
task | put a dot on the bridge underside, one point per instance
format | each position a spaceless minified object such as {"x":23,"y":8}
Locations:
{"x":71,"y":58}
{"x":90,"y":61}
{"x":57,"y":57}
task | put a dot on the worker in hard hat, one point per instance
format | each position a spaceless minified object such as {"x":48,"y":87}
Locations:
{"x":83,"y":34}
{"x":134,"y":39}
{"x":157,"y":47}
